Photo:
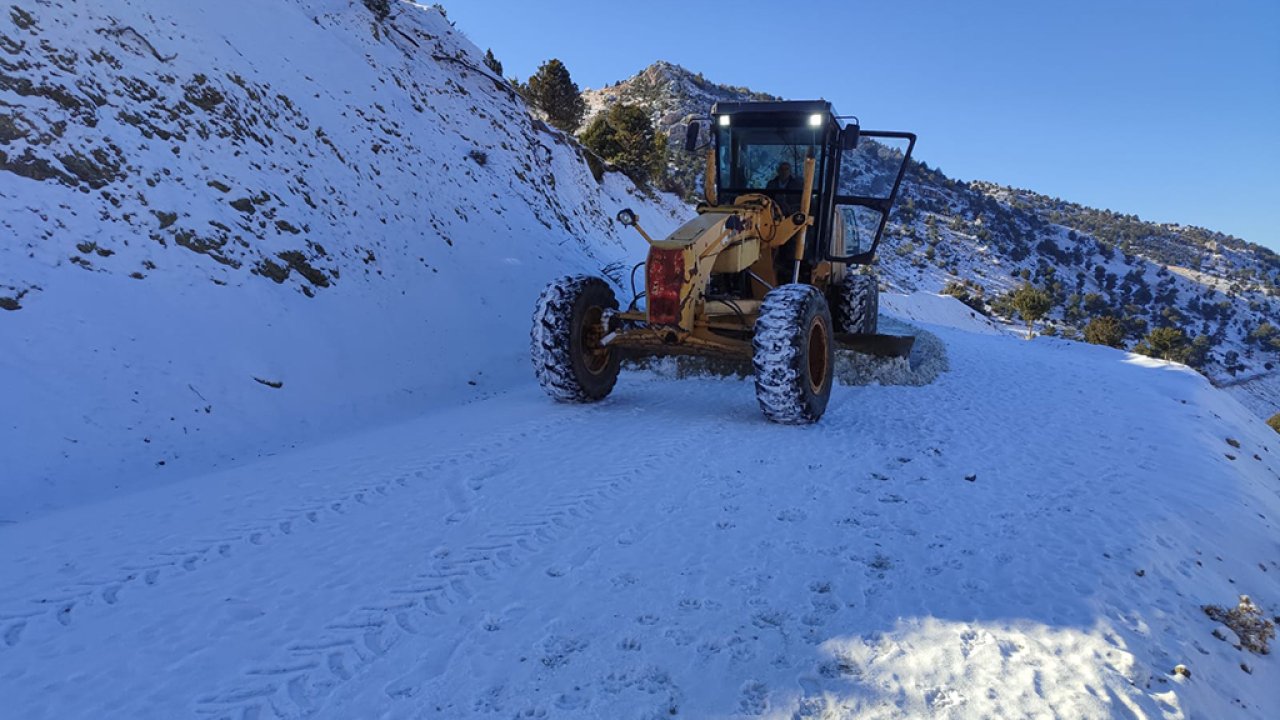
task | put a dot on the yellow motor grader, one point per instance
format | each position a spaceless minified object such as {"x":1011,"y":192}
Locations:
{"x":795,"y":199}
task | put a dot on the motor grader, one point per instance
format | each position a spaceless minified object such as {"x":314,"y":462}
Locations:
{"x":766,"y":271}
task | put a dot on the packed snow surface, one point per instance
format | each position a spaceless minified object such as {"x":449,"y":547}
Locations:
{"x":1031,"y":535}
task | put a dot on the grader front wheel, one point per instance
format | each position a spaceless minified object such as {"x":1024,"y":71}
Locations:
{"x":793,"y":355}
{"x":565,"y":344}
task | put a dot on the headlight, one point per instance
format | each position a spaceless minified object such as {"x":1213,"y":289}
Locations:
{"x":724,"y":121}
{"x":815,"y":120}
{"x":627,"y":217}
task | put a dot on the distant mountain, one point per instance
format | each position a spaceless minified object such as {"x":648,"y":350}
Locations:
{"x":674,"y":96}
{"x":979,"y":240}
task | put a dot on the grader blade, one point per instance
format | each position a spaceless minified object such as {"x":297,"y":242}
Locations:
{"x":885,"y":346}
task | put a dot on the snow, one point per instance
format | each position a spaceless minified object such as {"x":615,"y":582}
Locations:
{"x":408,"y":527}
{"x":431,"y":260}
{"x":1033,"y":534}
{"x":937,"y":309}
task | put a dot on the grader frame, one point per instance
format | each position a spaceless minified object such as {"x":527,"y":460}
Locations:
{"x":753,"y":235}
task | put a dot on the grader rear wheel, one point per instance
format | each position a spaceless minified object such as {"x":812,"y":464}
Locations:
{"x":855,"y":304}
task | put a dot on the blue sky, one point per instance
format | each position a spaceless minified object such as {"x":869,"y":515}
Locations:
{"x":1165,"y":109}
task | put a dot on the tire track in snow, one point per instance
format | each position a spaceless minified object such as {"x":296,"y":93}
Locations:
{"x":175,"y":564}
{"x":308,"y":671}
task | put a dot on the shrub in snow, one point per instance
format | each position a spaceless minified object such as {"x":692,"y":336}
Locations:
{"x":967,"y":292}
{"x":1105,"y":330}
{"x":1166,"y":343}
{"x":492,"y":62}
{"x":1247,"y":622}
{"x":380,"y":8}
{"x":1031,"y":303}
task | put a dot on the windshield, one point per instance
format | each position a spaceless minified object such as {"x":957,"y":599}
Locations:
{"x":766,"y":158}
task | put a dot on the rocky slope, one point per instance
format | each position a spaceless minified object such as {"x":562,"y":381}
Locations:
{"x":228,"y":226}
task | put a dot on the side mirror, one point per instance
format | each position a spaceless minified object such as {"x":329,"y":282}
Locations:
{"x":691,"y":136}
{"x":627,"y":217}
{"x":849,"y":138}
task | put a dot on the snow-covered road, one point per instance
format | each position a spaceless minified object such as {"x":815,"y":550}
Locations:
{"x":1031,"y":535}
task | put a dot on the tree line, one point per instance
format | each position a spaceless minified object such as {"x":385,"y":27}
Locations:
{"x":623,"y":135}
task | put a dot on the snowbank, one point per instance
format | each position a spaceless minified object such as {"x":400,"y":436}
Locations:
{"x":230,"y":237}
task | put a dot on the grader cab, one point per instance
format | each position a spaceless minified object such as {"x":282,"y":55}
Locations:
{"x":796,"y":199}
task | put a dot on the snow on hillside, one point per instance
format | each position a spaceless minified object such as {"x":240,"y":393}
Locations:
{"x":938,"y":310}
{"x":1032,"y":535}
{"x":230,"y":227}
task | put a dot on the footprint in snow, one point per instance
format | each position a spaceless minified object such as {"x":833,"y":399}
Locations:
{"x":793,"y":515}
{"x":755,"y":697}
{"x":13,"y":633}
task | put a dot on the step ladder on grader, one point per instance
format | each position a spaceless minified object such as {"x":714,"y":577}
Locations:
{"x":775,"y":267}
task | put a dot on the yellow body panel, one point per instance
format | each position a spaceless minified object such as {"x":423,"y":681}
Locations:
{"x":725,"y":239}
{"x":737,"y":258}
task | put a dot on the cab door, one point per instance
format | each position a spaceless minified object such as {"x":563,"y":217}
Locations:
{"x":867,"y":180}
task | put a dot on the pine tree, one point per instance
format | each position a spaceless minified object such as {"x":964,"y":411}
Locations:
{"x":1104,"y":330}
{"x":552,"y":91}
{"x":492,"y":62}
{"x":1165,"y":343}
{"x":1031,"y":303}
{"x":624,"y":136}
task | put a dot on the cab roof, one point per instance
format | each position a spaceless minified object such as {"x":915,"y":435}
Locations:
{"x":782,"y":107}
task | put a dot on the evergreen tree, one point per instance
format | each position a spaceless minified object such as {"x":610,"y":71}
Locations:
{"x":1165,"y":343}
{"x":1198,"y":353}
{"x":1104,"y":330}
{"x":624,"y":136}
{"x":1265,"y":336}
{"x":492,"y":62}
{"x":552,"y":91}
{"x":1031,"y":303}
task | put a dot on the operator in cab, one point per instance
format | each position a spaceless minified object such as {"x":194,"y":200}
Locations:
{"x":784,"y":180}
{"x":792,"y":186}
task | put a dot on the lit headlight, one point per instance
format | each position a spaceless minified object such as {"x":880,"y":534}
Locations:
{"x":724,"y":121}
{"x":815,"y":120}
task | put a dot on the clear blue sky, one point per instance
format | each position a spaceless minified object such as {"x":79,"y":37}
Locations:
{"x":1169,"y":109}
